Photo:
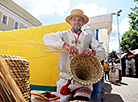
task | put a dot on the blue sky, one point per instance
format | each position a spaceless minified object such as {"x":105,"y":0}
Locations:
{"x":55,"y":11}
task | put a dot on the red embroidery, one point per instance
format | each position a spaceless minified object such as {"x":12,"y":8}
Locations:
{"x":64,"y":45}
{"x":78,"y":33}
{"x":94,"y":52}
{"x":85,"y":90}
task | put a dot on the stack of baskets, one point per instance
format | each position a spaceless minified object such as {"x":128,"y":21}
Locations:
{"x":19,"y":70}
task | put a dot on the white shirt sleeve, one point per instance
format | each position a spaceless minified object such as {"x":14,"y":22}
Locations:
{"x":110,"y":65}
{"x":53,"y":40}
{"x":100,"y":51}
{"x":118,"y":64}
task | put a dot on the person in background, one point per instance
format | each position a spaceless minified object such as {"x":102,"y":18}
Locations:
{"x":118,"y":71}
{"x":112,"y":77}
{"x":130,"y":69}
{"x":73,"y":40}
{"x":106,"y":69}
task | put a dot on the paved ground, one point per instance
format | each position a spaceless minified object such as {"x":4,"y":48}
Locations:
{"x":126,"y":91}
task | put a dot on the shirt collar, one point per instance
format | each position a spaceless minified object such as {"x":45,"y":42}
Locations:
{"x":78,"y":33}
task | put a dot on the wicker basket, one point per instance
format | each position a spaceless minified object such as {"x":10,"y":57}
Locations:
{"x":19,"y":70}
{"x":86,"y":70}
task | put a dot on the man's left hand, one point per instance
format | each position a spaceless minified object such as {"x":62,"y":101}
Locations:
{"x":86,"y":52}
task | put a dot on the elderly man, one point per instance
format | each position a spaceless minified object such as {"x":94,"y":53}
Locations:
{"x":75,"y":40}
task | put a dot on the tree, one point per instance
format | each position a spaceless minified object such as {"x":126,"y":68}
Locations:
{"x":129,"y":39}
{"x":112,"y":55}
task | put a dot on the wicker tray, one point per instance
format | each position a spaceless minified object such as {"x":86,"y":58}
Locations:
{"x":19,"y":70}
{"x":86,"y":70}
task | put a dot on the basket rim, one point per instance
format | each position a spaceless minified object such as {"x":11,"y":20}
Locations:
{"x":85,"y":82}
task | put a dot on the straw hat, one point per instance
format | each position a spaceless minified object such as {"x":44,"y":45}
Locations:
{"x":86,"y":70}
{"x":77,"y":12}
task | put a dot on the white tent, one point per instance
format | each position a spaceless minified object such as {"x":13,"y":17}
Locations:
{"x":104,"y":24}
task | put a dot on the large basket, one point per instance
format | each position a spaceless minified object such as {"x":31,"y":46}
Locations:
{"x":86,"y":70}
{"x":19,"y":70}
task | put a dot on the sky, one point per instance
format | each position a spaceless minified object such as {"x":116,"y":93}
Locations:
{"x":55,"y":11}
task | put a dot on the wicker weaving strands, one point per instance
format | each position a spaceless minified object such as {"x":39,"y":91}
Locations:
{"x":86,"y":70}
{"x":9,"y":90}
{"x":14,"y":79}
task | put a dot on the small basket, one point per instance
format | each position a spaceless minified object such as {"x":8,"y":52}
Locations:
{"x":19,"y":70}
{"x":86,"y":70}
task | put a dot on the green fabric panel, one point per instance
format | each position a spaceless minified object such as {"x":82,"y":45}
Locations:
{"x":43,"y":88}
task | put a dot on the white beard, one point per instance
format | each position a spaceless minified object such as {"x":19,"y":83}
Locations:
{"x":76,"y":29}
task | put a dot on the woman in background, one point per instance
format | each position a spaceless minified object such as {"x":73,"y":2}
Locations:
{"x":112,"y":77}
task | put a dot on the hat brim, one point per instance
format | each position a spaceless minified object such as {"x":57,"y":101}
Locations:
{"x":86,"y":19}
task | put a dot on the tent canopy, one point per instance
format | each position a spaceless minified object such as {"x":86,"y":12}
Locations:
{"x":104,"y":24}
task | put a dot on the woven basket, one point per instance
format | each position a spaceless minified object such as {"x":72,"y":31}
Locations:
{"x":86,"y":70}
{"x":19,"y":70}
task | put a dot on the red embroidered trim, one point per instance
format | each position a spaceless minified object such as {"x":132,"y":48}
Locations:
{"x":78,"y":33}
{"x":64,"y":45}
{"x":84,"y":90}
{"x":94,"y":52}
{"x":76,"y":39}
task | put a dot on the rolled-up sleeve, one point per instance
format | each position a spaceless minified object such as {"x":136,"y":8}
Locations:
{"x":100,"y":51}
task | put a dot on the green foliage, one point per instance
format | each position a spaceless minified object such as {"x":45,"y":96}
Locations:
{"x":112,"y":55}
{"x":136,"y":1}
{"x":129,"y":39}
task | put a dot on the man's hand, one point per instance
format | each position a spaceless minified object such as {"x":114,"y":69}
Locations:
{"x":72,"y":50}
{"x":86,"y":52}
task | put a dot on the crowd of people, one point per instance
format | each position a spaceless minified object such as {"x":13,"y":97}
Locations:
{"x":112,"y":70}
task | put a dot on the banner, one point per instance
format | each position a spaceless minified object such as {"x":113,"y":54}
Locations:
{"x":28,"y":43}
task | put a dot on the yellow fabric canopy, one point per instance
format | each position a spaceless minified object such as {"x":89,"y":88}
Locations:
{"x":28,"y":43}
